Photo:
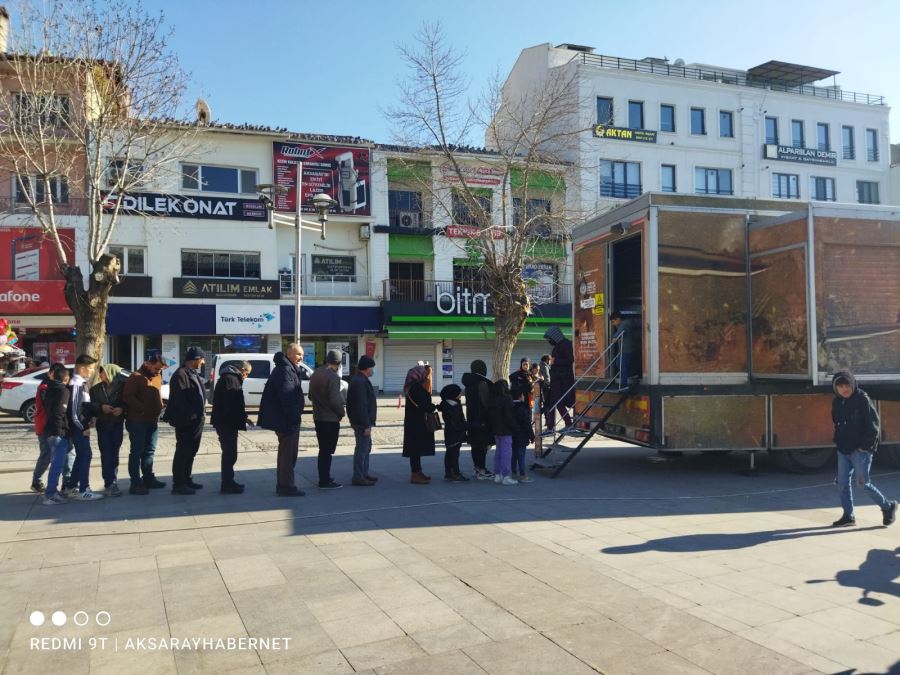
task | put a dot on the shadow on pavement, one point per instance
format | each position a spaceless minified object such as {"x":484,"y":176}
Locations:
{"x":877,"y":574}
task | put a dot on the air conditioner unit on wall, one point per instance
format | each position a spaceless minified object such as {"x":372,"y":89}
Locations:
{"x":408,"y":218}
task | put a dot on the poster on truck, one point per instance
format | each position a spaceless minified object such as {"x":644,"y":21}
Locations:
{"x":341,"y":172}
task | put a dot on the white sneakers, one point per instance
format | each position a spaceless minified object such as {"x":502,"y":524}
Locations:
{"x":89,"y":496}
{"x":498,"y":478}
{"x":509,"y":481}
{"x":57,"y":498}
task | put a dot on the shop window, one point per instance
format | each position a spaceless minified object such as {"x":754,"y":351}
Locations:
{"x":220,"y":264}
{"x":207,"y":178}
{"x":131,"y":258}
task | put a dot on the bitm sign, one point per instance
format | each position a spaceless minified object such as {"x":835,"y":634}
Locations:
{"x":340,"y":172}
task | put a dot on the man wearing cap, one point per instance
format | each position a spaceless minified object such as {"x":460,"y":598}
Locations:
{"x":328,"y":410}
{"x":362,"y":409}
{"x":186,"y":412}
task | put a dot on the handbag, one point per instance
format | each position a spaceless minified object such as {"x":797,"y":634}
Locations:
{"x":432,"y":419}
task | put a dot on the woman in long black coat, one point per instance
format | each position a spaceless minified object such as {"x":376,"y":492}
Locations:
{"x":418,"y":441}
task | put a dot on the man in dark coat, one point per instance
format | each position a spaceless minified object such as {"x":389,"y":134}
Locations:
{"x":229,"y":416}
{"x":418,"y":439}
{"x":562,"y":375}
{"x":186,"y":412}
{"x":625,"y":334}
{"x":280,"y":410}
{"x":856,"y":431}
{"x":478,"y":420}
{"x":328,"y":410}
{"x":362,"y":410}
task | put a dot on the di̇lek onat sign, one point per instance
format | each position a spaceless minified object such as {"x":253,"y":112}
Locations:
{"x":461,"y":301}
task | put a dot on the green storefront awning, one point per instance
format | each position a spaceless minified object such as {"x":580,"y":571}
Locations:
{"x":410,"y":246}
{"x":400,"y":170}
{"x":537,"y":180}
{"x":462,"y":331}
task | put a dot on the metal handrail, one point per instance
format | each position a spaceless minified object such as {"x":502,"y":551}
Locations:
{"x":725,"y":77}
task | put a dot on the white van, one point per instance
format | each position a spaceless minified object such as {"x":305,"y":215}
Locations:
{"x":262,"y":366}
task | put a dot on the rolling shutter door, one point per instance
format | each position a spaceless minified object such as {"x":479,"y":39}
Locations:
{"x":399,"y":357}
{"x":466,"y":351}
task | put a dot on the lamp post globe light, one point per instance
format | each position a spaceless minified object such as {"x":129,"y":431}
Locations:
{"x":322,"y":203}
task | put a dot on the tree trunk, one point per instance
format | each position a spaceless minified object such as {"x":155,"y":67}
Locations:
{"x":510,"y":312}
{"x":89,"y":306}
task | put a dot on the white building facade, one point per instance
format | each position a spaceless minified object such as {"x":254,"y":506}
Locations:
{"x":767,"y":132}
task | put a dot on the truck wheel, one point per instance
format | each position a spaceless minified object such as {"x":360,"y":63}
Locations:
{"x":27,"y":411}
{"x":888,"y":455}
{"x":807,"y":459}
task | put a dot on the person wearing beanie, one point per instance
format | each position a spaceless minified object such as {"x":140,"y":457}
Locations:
{"x":328,"y":410}
{"x":478,"y":418}
{"x":454,"y":431}
{"x":106,"y":398}
{"x":186,"y":411}
{"x":362,"y":411}
{"x":856,"y":432}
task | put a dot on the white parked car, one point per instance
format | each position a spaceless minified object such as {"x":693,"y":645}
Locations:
{"x":17,"y":393}
{"x":262,"y":366}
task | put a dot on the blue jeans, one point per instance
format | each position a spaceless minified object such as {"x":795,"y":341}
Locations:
{"x":857,"y":463}
{"x":625,"y":371}
{"x":45,"y":455}
{"x":81,"y":469}
{"x":109,"y":441}
{"x":59,"y":450}
{"x":361,"y":453}
{"x":142,"y":436}
{"x":518,"y":461}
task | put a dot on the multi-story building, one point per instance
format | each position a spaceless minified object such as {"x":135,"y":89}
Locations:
{"x":771,"y":131}
{"x":895,"y":174}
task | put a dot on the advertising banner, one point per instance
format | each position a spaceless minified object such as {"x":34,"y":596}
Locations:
{"x":490,"y":176}
{"x":340,"y":172}
{"x":248,"y":320}
{"x":31,"y":278}
{"x":170,"y":355}
{"x":469,"y":232}
{"x":334,"y":265}
{"x":624,"y":134}
{"x":788,"y":153}
{"x":344,"y":348}
{"x":242,"y":289}
{"x":62,"y":352}
{"x":186,"y":206}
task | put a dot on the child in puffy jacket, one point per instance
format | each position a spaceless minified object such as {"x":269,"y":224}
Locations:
{"x":523,"y":434}
{"x":454,"y":431}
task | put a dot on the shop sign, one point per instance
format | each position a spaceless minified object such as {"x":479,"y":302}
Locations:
{"x":473,"y":175}
{"x":469,"y":232}
{"x":171,"y":357}
{"x":248,"y":320}
{"x":340,"y":172}
{"x":33,"y":297}
{"x":788,"y":153}
{"x":333,"y":266}
{"x":344,"y":349}
{"x":185,"y":206}
{"x":624,"y":134}
{"x":540,"y":279}
{"x":31,"y":279}
{"x":240,"y":289}
{"x":461,"y":301}
{"x":62,"y":352}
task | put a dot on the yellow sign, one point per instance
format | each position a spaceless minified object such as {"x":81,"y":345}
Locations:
{"x":624,"y":134}
{"x":599,"y":307}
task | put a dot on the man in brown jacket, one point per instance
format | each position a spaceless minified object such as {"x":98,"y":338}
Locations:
{"x":143,"y":404}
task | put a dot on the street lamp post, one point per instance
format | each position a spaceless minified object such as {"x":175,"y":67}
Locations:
{"x":322,"y":203}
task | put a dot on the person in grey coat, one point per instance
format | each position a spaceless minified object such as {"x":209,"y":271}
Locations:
{"x":328,"y":411}
{"x":362,"y":409}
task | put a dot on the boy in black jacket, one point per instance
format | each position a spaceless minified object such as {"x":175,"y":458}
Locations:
{"x":856,"y":431}
{"x":523,"y":433}
{"x":55,"y":399}
{"x":454,"y":431}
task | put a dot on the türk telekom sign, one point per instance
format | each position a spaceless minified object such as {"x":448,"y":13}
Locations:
{"x":186,"y":206}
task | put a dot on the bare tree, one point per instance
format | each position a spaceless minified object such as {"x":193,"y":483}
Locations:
{"x":90,"y":106}
{"x":529,"y":137}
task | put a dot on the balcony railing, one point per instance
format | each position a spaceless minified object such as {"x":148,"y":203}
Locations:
{"x":724,"y":77}
{"x":428,"y":290}
{"x":321,"y":285}
{"x":73,"y":207}
{"x":620,"y":190}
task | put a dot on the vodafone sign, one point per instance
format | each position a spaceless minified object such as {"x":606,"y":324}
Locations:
{"x":33,"y":297}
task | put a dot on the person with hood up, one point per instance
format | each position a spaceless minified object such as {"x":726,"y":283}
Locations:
{"x":503,"y":423}
{"x":562,"y":376}
{"x":229,"y":416}
{"x":418,"y":439}
{"x":106,"y":397}
{"x":280,"y":410}
{"x":856,"y":431}
{"x":478,"y":416}
{"x":454,"y":431}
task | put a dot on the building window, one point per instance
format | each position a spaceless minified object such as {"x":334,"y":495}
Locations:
{"x":771,"y":131}
{"x":128,"y":173}
{"x":131,"y":259}
{"x":228,"y":179}
{"x":405,"y":208}
{"x":537,"y":212}
{"x":667,"y":179}
{"x":35,"y":188}
{"x":698,"y":121}
{"x":849,"y":143}
{"x":786,"y":185}
{"x":468,"y":214}
{"x":666,"y":117}
{"x":604,"y":110}
{"x":620,"y":179}
{"x":726,"y":124}
{"x":823,"y":136}
{"x":635,"y":114}
{"x":871,"y":145}
{"x":34,"y":111}
{"x":711,"y":181}
{"x":797,"y":134}
{"x":220,"y":264}
{"x":867,"y":192}
{"x":821,"y":189}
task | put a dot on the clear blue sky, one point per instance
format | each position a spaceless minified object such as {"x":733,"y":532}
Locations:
{"x":331,"y":67}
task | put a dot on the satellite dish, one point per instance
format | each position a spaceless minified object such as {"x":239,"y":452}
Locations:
{"x":204,"y":115}
{"x":679,"y":63}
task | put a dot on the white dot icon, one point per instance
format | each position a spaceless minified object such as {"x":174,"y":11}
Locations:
{"x":37,"y":618}
{"x":58,"y":618}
